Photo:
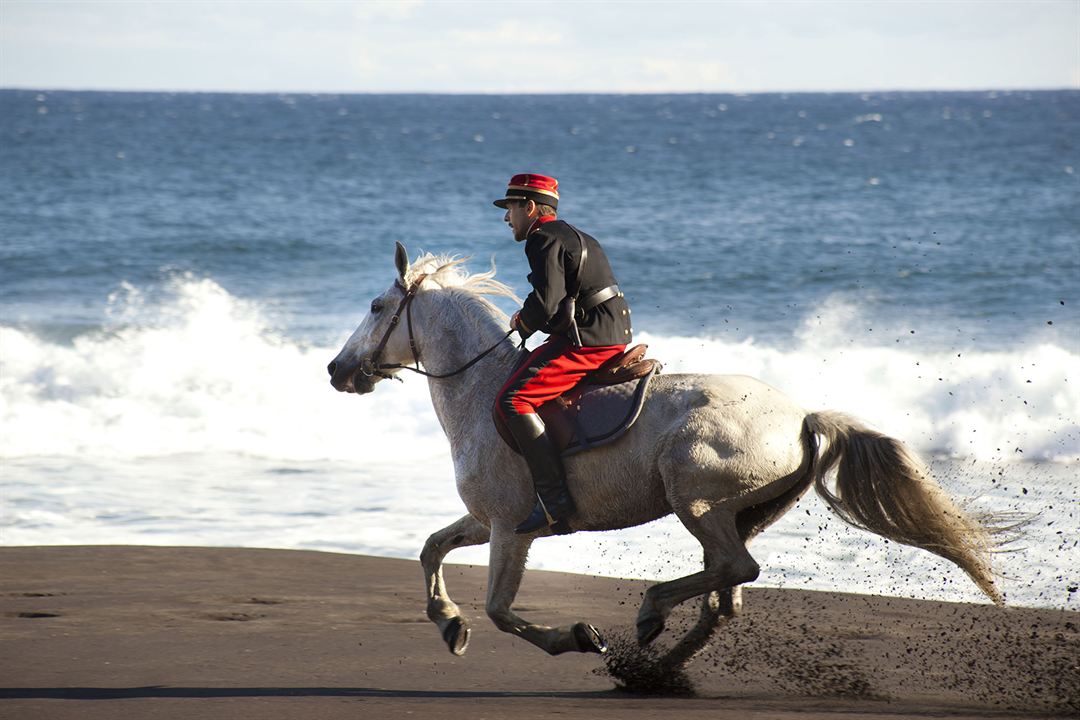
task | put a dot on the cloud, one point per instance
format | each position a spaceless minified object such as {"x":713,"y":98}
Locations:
{"x":507,"y":32}
{"x":395,"y":10}
{"x":451,"y":46}
{"x":676,"y":75}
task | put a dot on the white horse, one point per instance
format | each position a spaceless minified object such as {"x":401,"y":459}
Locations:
{"x":727,"y":454}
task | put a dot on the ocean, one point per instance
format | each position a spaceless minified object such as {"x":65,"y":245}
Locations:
{"x":176,"y":270}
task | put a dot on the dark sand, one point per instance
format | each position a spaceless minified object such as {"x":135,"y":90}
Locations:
{"x":145,"y":632}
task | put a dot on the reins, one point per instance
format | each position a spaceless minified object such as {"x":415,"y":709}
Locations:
{"x":370,"y":365}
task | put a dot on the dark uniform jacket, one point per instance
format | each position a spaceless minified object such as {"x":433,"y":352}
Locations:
{"x":554,"y":252}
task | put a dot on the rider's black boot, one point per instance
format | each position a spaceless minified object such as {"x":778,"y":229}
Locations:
{"x":554,"y":504}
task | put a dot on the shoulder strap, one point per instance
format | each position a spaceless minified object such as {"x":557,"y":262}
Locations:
{"x":582,"y":257}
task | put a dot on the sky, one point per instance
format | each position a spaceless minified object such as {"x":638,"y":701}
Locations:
{"x":451,"y":46}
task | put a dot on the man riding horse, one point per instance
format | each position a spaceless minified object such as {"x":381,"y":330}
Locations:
{"x":727,"y":454}
{"x":574,"y":299}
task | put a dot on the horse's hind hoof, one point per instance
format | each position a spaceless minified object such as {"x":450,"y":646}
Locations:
{"x":456,"y":634}
{"x":589,"y":639}
{"x":649,"y":629}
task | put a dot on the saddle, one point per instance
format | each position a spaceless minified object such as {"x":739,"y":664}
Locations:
{"x":599,"y":409}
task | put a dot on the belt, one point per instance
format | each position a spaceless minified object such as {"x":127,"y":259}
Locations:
{"x":599,"y":297}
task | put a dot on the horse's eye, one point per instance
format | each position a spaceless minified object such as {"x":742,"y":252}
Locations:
{"x":376,"y":306}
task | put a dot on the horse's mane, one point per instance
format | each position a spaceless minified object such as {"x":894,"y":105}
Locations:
{"x":448,"y":272}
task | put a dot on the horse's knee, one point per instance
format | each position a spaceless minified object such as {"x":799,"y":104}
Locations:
{"x":434,"y":551}
{"x":743,"y":573}
{"x":731,"y":572}
{"x":747,"y":572}
{"x":430,"y":551}
{"x":500,"y":616}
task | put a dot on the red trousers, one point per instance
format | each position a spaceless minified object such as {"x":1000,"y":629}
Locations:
{"x":552,"y":369}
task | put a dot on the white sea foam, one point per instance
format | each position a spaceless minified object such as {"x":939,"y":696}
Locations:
{"x":191,"y":421}
{"x":208,"y":374}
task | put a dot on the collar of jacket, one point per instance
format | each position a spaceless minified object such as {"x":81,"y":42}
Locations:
{"x":538,"y":222}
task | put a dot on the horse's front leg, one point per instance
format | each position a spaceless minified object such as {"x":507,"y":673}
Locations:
{"x":440,"y":608}
{"x":506,"y":567}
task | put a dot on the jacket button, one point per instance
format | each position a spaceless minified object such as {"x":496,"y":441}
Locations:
{"x":623,"y":312}
{"x":625,"y":332}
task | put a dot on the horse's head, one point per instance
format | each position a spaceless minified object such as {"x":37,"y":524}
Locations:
{"x":379,"y":340}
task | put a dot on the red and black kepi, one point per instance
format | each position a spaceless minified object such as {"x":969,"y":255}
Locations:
{"x":526,"y":186}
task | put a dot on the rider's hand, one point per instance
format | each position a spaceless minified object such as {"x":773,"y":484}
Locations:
{"x":516,"y":324}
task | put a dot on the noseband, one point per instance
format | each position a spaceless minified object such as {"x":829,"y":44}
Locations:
{"x":370,"y":365}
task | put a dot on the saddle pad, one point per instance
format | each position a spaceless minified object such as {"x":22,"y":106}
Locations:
{"x":590,"y":415}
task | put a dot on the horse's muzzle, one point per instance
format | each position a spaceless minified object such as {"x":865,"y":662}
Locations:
{"x":350,"y":378}
{"x":362,"y":384}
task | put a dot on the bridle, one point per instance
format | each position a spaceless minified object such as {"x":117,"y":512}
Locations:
{"x":370,"y":365}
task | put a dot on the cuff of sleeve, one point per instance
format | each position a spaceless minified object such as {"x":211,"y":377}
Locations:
{"x":523,"y":329}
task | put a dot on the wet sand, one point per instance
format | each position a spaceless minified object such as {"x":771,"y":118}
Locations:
{"x":151,"y":632}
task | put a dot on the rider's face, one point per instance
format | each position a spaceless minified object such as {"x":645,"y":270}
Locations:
{"x":519,"y":216}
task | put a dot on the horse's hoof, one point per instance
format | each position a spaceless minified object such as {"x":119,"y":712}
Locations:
{"x":649,"y":629}
{"x":588,"y":639}
{"x":456,"y":634}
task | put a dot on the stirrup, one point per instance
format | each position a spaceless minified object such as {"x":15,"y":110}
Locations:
{"x":539,"y":518}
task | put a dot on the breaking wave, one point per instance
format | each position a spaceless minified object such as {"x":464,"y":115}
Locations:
{"x":200,"y":370}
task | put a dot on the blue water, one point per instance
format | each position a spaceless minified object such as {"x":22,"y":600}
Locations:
{"x":956,"y":215}
{"x":177,"y":269}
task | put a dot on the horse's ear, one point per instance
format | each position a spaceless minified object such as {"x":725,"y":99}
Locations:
{"x":401,"y":259}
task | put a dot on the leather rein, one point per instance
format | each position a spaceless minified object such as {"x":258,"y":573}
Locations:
{"x":370,"y":365}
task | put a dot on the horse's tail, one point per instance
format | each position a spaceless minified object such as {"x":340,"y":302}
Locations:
{"x":884,"y":488}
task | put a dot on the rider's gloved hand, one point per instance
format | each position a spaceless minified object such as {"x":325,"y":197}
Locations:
{"x":516,"y":324}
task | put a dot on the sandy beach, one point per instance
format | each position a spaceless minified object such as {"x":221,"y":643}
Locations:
{"x":107,"y":632}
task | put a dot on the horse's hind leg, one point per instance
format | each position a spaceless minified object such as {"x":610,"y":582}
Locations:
{"x":507,"y":565}
{"x":717,"y":607}
{"x":727,"y":565}
{"x":720,"y":605}
{"x":725,"y":603}
{"x":440,"y":608}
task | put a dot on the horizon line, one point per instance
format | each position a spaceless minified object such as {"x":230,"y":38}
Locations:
{"x":493,"y":93}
